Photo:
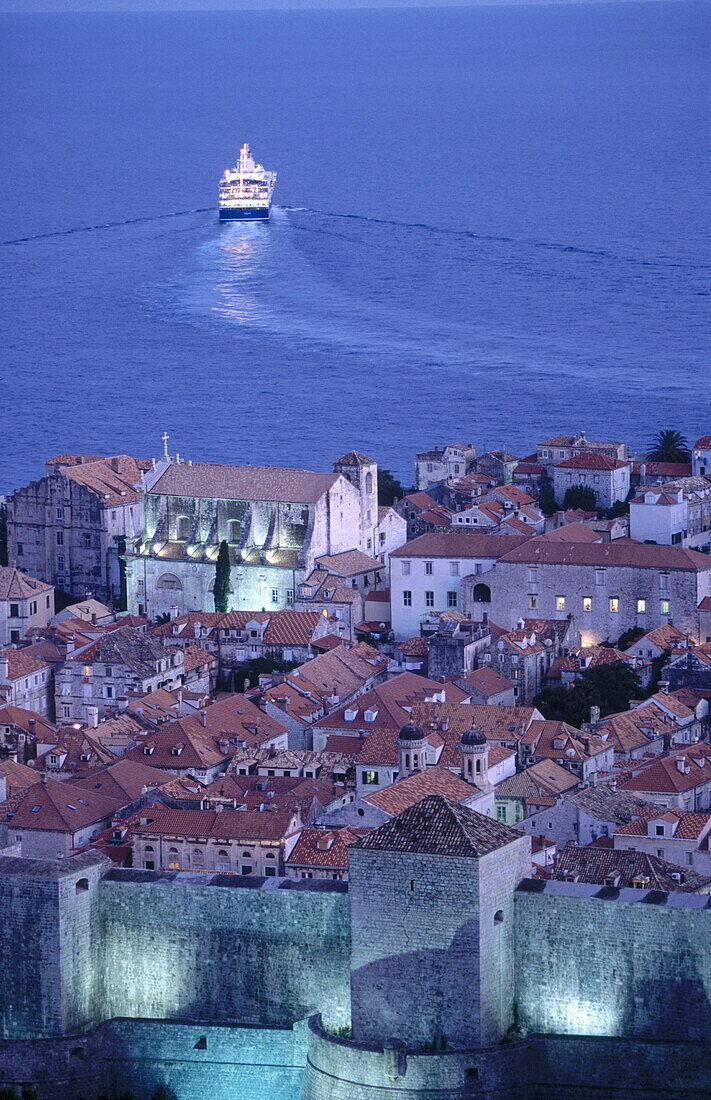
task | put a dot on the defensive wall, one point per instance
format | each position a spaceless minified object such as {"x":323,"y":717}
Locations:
{"x":117,"y":979}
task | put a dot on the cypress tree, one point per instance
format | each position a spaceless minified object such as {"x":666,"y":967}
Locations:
{"x":222,"y":578}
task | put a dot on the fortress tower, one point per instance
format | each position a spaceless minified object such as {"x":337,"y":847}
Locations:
{"x":432,"y":949}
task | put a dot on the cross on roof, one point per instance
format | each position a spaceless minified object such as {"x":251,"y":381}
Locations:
{"x":165,"y":437}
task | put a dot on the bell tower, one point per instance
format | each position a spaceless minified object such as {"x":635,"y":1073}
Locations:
{"x":412,"y":749}
{"x":362,"y":472}
{"x":474,"y":755}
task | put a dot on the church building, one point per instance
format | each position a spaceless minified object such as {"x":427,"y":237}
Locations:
{"x":276,"y":523}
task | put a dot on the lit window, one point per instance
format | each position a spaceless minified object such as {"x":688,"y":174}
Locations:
{"x":429,"y":599}
{"x":407,"y":598}
{"x":87,"y":670}
{"x":560,"y":603}
{"x":665,"y":607}
{"x":641,"y":607}
{"x":614,"y":604}
{"x":587,"y":603}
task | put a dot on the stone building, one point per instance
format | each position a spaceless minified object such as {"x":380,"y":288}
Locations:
{"x":55,"y":818}
{"x":70,"y":527}
{"x":276,"y":523}
{"x":453,"y":461}
{"x":426,"y":575}
{"x":608,"y":478}
{"x":608,"y":588}
{"x":25,"y":604}
{"x":677,"y":513}
{"x":701,"y":457}
{"x":26,"y":681}
{"x":90,"y":685}
{"x":560,"y":448}
{"x":244,"y":842}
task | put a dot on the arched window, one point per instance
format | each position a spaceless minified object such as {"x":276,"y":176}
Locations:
{"x":499,"y":916}
{"x":246,"y":855}
{"x":82,"y":886}
{"x":173,"y":859}
{"x":270,"y":855}
{"x":481,"y":593}
{"x":184,"y":526}
{"x":369,"y":483}
{"x":234,"y":530}
{"x":169,"y":580}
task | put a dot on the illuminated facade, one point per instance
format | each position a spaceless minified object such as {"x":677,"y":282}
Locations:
{"x":276,"y":523}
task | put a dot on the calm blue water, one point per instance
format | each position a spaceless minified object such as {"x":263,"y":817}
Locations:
{"x":491,"y":224}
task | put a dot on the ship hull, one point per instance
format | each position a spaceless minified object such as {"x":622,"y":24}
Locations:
{"x":248,"y":214}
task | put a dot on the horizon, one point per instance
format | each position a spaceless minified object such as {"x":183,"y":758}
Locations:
{"x":248,"y":6}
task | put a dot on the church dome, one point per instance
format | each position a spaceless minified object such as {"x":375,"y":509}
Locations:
{"x":473,"y":737}
{"x":411,"y":732}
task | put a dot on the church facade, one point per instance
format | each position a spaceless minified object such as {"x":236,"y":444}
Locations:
{"x":275,"y":521}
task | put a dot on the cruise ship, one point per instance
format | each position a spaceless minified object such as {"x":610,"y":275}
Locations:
{"x":246,"y":190}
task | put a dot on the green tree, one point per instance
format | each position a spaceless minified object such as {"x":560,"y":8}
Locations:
{"x":629,"y":637}
{"x":669,"y":446}
{"x":610,"y":687}
{"x":389,"y":488}
{"x":3,"y":534}
{"x":580,"y":496}
{"x":546,"y":497}
{"x":222,"y":578}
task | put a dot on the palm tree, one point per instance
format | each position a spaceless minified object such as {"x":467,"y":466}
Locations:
{"x":669,"y":446}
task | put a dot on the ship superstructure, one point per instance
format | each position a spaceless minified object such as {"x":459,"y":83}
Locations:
{"x":246,"y":190}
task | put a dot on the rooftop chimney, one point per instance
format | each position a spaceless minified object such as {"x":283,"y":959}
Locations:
{"x":664,"y":687}
{"x":203,"y":718}
{"x":174,"y":612}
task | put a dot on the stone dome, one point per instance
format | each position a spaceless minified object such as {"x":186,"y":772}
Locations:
{"x":473,"y":737}
{"x":410,"y":732}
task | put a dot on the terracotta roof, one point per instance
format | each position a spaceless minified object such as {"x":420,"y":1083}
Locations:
{"x":460,"y":544}
{"x":665,"y":636}
{"x":324,"y":847}
{"x":540,"y":736}
{"x":598,"y":865}
{"x":124,"y":780}
{"x":421,"y":500}
{"x":20,"y":663}
{"x":268,"y":483}
{"x":127,"y":645}
{"x":703,"y":442}
{"x":414,"y":647}
{"x":405,"y":792}
{"x":354,"y":458}
{"x":618,"y":553}
{"x":664,"y":777}
{"x":15,"y":585}
{"x":561,"y":441}
{"x":55,"y":806}
{"x":705,"y":604}
{"x":112,"y":479}
{"x":226,"y":825}
{"x":18,"y":776}
{"x":388,"y":704}
{"x":194,"y":657}
{"x":350,"y":563}
{"x":688,"y":824}
{"x":573,"y":532}
{"x":27,"y":720}
{"x":487,"y":681}
{"x":544,"y":778}
{"x":591,"y":461}
{"x":440,"y":827}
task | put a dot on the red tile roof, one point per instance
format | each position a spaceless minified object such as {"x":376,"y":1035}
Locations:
{"x":20,"y":663}
{"x":616,"y":554}
{"x":324,"y":848}
{"x":226,"y":825}
{"x":459,"y":544}
{"x":405,"y":792}
{"x":591,"y":461}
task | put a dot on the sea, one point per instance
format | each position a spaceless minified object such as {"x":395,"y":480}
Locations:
{"x":491,"y":224}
